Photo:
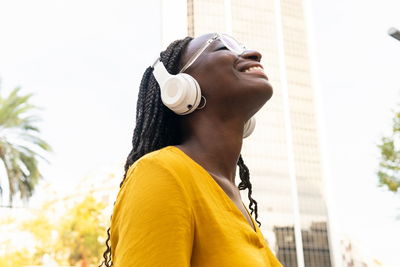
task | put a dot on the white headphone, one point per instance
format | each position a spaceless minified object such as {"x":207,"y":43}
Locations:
{"x":181,"y":93}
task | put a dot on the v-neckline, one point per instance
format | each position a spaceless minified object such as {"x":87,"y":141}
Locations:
{"x":231,"y":203}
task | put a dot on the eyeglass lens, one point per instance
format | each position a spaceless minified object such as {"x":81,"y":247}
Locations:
{"x":232,"y":44}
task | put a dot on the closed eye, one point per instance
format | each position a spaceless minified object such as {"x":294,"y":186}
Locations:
{"x":221,"y":48}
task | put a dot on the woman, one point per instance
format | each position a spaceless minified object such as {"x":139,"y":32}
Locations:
{"x":178,"y":204}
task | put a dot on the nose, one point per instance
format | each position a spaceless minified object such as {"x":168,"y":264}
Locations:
{"x":252,"y":55}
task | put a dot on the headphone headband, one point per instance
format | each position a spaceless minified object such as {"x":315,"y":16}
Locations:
{"x":160,"y":72}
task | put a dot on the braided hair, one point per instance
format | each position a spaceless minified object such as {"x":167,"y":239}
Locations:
{"x":158,"y":127}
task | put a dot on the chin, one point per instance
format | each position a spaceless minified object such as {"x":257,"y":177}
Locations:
{"x":269,"y":90}
{"x":260,"y":98}
{"x":262,"y":92}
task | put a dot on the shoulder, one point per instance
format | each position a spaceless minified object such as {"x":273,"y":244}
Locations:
{"x":162,"y":159}
{"x":153,"y":179}
{"x":162,"y":167}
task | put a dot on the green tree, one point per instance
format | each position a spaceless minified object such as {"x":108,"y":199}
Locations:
{"x":389,"y":166}
{"x":20,"y":144}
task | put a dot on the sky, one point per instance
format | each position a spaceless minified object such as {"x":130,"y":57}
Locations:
{"x":357,"y":65}
{"x":83,"y":60}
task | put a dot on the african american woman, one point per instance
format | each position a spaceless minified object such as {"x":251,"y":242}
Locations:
{"x":179,"y":204}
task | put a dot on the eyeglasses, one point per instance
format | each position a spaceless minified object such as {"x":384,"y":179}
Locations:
{"x":228,"y":41}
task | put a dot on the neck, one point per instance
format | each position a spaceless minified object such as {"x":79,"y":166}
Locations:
{"x":215,"y":146}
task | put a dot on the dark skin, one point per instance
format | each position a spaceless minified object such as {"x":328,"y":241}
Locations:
{"x":213,"y":136}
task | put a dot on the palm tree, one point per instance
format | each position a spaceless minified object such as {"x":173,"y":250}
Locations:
{"x":20,"y":145}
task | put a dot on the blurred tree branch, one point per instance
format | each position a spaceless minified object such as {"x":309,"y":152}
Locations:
{"x":389,"y":165}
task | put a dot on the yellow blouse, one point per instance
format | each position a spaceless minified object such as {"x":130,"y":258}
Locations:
{"x":171,"y":213}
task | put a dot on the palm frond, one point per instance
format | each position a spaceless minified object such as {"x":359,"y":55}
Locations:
{"x":20,"y":144}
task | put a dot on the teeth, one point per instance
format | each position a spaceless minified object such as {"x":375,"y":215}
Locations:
{"x":254,"y":68}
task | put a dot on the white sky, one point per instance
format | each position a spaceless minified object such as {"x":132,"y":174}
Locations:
{"x":83,"y":60}
{"x":358,"y":66}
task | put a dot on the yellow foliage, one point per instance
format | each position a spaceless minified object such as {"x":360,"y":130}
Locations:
{"x":75,"y":236}
{"x":17,"y":259}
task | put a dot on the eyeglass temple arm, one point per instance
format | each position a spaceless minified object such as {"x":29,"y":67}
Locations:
{"x":196,"y":55}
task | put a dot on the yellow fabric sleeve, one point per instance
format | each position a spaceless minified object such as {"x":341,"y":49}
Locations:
{"x":153,"y":222}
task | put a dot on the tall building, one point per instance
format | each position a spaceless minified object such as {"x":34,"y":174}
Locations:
{"x":283,"y":154}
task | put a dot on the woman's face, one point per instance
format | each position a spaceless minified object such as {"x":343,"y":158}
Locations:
{"x":231,"y":83}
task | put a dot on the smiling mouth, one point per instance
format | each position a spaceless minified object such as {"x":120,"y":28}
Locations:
{"x":256,"y":70}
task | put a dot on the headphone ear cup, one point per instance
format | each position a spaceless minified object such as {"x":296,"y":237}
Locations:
{"x":249,"y":127}
{"x":181,"y":93}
